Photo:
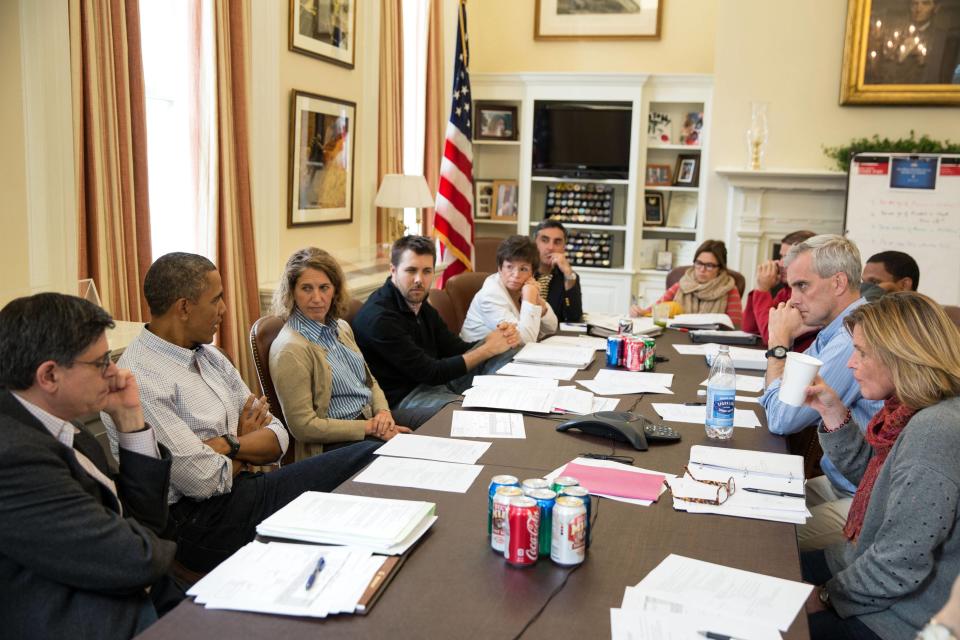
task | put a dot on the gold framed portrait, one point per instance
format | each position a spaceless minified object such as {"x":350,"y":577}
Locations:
{"x":901,"y":52}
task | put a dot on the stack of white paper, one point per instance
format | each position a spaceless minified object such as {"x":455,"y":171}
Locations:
{"x":697,"y":320}
{"x":537,"y":371}
{"x":420,"y":474}
{"x":751,"y":384}
{"x":511,"y":381}
{"x":530,"y":400}
{"x":611,"y":323}
{"x":588,"y":342}
{"x":613,"y":382}
{"x":686,"y":598}
{"x":410,"y":445}
{"x":487,"y":424}
{"x":743,"y":358}
{"x":380,"y":525}
{"x":697,"y":414}
{"x":778,"y":476}
{"x":565,"y":356}
{"x":272,"y":578}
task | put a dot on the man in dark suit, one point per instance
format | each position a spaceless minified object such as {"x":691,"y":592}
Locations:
{"x":79,"y":545}
{"x":559,"y":283}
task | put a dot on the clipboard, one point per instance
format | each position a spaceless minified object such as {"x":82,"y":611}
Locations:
{"x":383,"y":577}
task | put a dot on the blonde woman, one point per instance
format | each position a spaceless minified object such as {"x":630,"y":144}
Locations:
{"x":326,"y":390}
{"x":903,"y":553}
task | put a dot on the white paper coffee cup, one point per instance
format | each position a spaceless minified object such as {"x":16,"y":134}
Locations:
{"x":798,"y":373}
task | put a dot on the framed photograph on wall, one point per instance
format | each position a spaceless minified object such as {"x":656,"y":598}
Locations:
{"x":484,"y":198}
{"x":321,"y":159}
{"x":653,"y":209}
{"x":324,"y":29}
{"x":901,"y":52}
{"x":597,"y":20}
{"x":688,"y":170}
{"x":658,"y":175}
{"x":495,"y":121}
{"x":504,"y":200}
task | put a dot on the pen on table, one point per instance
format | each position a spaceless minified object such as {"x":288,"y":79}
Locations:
{"x":694,"y":404}
{"x":313,"y":574}
{"x":716,"y":636}
{"x":770,"y":492}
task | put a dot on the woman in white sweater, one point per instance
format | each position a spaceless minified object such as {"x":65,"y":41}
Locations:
{"x":511,"y":295}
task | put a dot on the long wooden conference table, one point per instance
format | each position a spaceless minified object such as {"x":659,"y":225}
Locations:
{"x":454,"y":586}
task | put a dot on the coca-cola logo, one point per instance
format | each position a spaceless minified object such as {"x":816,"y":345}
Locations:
{"x":533,"y":528}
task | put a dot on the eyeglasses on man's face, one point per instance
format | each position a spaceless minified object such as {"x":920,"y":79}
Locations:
{"x":725,"y":489}
{"x":707,"y":266}
{"x":103,"y":363}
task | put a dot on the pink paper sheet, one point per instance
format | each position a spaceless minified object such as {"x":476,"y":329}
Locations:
{"x":625,"y":484}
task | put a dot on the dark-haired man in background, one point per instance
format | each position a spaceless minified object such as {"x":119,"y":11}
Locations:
{"x":887,"y":272}
{"x":414,"y":356}
{"x":214,"y":427}
{"x":79,"y":545}
{"x":559,"y":283}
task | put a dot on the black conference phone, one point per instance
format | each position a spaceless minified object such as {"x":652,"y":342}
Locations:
{"x":622,"y":426}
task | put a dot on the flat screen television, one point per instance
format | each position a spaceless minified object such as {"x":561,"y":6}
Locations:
{"x":581,"y":139}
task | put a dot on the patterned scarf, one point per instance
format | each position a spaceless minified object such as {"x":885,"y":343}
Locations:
{"x":709,"y":297}
{"x":881,"y":434}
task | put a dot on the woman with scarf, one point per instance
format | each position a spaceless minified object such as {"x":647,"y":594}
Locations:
{"x":903,"y":553}
{"x":706,"y":287}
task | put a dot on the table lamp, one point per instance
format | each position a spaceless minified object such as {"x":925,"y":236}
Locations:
{"x":398,"y":192}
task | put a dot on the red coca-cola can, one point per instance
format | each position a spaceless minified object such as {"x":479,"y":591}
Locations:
{"x":634,"y":354}
{"x":522,"y":544}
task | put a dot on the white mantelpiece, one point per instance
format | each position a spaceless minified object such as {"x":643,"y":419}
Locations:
{"x":763,"y":206}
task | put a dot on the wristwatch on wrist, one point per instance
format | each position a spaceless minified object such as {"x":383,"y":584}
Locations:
{"x":234,"y":446}
{"x":777,"y":352}
{"x":936,"y":631}
{"x":824,"y":598}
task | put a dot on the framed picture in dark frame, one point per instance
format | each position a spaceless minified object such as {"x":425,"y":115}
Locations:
{"x":324,"y":29}
{"x":495,"y":121}
{"x":687,"y":173}
{"x":653,"y":209}
{"x":321,"y":159}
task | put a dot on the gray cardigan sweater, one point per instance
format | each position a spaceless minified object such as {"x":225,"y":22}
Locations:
{"x":899,"y":571}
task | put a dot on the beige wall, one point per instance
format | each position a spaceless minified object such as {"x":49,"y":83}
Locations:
{"x":501,"y":40}
{"x":13,"y":180}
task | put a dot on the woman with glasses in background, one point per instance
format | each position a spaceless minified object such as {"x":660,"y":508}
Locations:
{"x":511,"y":295}
{"x":706,"y":287}
{"x":903,"y":553}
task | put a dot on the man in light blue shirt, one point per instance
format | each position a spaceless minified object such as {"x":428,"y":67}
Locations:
{"x":824,"y":274}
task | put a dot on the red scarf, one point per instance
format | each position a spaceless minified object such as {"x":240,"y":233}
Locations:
{"x":881,"y":434}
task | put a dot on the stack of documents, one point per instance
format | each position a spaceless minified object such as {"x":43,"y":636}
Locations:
{"x":700,"y":321}
{"x":583,"y":469}
{"x":687,"y":599}
{"x":526,"y":399}
{"x":425,"y":462}
{"x":612,"y":382}
{"x":611,"y":324}
{"x":743,"y":358}
{"x":537,"y":371}
{"x":487,"y":424}
{"x":697,"y":414}
{"x":380,"y":525}
{"x":768,"y":486}
{"x":565,"y":356}
{"x":272,"y":578}
{"x":587,"y":342}
{"x":511,"y":381}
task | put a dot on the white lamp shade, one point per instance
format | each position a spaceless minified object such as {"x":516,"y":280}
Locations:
{"x":398,"y":191}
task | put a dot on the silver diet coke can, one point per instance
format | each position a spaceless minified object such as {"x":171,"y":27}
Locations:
{"x":498,"y":515}
{"x":568,"y":546}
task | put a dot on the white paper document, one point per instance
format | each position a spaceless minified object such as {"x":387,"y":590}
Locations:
{"x":749,"y":399}
{"x":743,"y":358}
{"x":573,"y":327}
{"x":588,"y":342}
{"x":652,"y":624}
{"x":537,"y":371}
{"x":742,"y":503}
{"x":410,"y":445}
{"x":695,"y":586}
{"x":746,"y":462}
{"x":487,"y":424}
{"x":420,"y":474}
{"x":566,"y":356}
{"x":751,"y":384}
{"x":697,"y":414}
{"x":511,"y":381}
{"x":612,"y":382}
{"x":604,"y":404}
{"x":572,"y":400}
{"x":700,"y":320}
{"x":516,"y":398}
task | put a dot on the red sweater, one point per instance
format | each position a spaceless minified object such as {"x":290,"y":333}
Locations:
{"x":756,"y":316}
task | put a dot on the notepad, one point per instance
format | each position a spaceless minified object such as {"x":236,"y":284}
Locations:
{"x":625,"y":484}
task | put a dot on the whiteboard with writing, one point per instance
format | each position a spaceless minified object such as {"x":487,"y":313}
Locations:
{"x":909,"y":203}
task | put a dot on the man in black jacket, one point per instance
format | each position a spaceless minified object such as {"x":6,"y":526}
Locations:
{"x":559,"y":283}
{"x":79,"y":545}
{"x":415,"y":358}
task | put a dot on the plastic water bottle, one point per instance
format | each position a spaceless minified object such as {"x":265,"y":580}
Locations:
{"x":721,"y":392}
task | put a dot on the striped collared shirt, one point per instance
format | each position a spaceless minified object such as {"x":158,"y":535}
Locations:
{"x":349,"y":392}
{"x":189,"y":395}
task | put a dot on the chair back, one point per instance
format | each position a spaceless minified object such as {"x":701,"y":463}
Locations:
{"x":262,"y":334}
{"x":953,"y":312}
{"x":462,"y":288}
{"x":353,"y":308}
{"x":485,"y":253}
{"x":677,"y":272}
{"x":439,"y":299}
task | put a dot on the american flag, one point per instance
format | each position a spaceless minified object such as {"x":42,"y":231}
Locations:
{"x":454,"y":211}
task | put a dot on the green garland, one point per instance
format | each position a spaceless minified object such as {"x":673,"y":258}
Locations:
{"x":924,"y":144}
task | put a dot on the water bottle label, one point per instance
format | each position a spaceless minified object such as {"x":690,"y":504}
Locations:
{"x":720,"y":407}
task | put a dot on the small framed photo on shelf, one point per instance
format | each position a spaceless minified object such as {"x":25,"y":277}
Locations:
{"x":692,"y":126}
{"x":495,"y":121}
{"x":658,"y":175}
{"x":653,"y":209}
{"x":682,"y":210}
{"x":664,"y":260}
{"x":504,"y":200}
{"x":688,"y":171}
{"x":484,"y":203}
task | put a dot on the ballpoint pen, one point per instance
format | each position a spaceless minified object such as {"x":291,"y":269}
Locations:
{"x":710,"y":635}
{"x":313,"y":574}
{"x":771,"y":492}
